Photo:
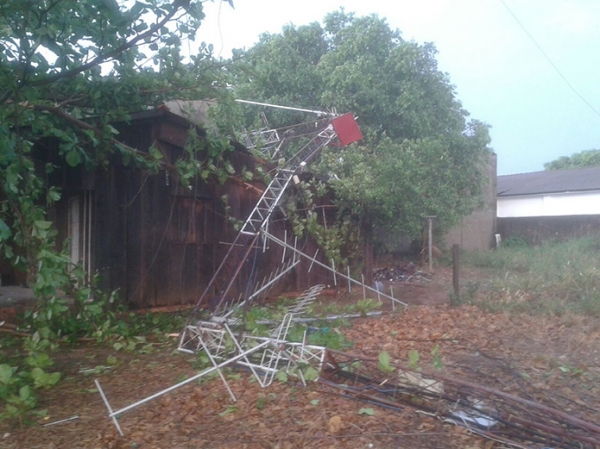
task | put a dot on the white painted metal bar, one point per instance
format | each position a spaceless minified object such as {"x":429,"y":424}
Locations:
{"x":327,"y":318}
{"x":269,"y":284}
{"x":284,"y":248}
{"x":313,"y":260}
{"x":184,"y":382}
{"x":108,"y":407}
{"x":349,"y":283}
{"x":215,"y":364}
{"x":286,"y":107}
{"x":248,"y":363}
{"x":333,"y":271}
{"x":362,"y":276}
{"x":60,"y":421}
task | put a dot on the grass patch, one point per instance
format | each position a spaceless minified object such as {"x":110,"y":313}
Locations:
{"x":554,"y":278}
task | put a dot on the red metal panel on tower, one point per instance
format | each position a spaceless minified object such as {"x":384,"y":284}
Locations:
{"x":346,"y":129}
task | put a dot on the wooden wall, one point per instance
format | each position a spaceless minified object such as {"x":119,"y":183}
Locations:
{"x":155,"y":241}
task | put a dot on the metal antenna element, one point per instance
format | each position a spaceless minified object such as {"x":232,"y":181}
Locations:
{"x":289,"y":108}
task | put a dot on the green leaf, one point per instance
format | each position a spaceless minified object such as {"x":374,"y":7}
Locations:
{"x":228,"y":410}
{"x":281,"y":376}
{"x":384,"y":362}
{"x":24,"y":393}
{"x":311,"y":374}
{"x":41,"y":379}
{"x":53,"y":194}
{"x":413,"y":359}
{"x":6,"y":374}
{"x":366,"y":411}
{"x":39,"y":360}
{"x":40,"y":224}
{"x":4,"y":231}
{"x":437,"y":358}
{"x":73,"y":157}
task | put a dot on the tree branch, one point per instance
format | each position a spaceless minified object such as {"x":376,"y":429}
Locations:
{"x":177,"y":4}
{"x":61,"y":113}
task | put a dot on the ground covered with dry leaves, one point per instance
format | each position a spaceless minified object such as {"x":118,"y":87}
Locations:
{"x":555,"y":359}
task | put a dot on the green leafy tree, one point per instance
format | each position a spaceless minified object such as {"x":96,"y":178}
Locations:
{"x":68,"y":69}
{"x":420,"y":156}
{"x":587,"y":158}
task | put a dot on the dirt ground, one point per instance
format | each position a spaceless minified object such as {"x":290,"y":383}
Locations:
{"x":549,"y":356}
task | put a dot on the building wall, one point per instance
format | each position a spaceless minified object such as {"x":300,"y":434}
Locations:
{"x":154,"y":241}
{"x":550,"y":205}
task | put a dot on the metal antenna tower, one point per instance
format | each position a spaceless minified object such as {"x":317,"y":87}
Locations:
{"x":343,"y":130}
{"x":264,"y":356}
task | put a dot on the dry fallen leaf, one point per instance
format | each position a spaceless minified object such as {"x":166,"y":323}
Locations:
{"x":335,"y":424}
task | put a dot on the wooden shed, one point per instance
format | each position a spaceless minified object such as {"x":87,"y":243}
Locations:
{"x":146,"y":235}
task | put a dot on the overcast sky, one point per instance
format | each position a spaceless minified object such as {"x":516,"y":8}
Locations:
{"x":501,"y":77}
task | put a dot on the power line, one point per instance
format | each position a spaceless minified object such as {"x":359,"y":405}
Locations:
{"x":550,"y":60}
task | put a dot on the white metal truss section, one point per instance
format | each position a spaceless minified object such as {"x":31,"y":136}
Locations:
{"x":306,"y":300}
{"x":220,"y":343}
{"x":272,"y":195}
{"x":269,"y":141}
{"x":264,"y":356}
{"x":264,"y":139}
{"x":114,"y":414}
{"x":270,"y":198}
{"x":308,"y":152}
{"x":350,"y":280}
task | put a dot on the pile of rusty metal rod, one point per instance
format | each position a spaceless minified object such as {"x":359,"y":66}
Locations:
{"x":486,"y":411}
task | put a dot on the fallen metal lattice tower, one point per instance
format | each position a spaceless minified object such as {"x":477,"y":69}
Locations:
{"x":254,"y":234}
{"x":264,"y":356}
{"x":342,"y":129}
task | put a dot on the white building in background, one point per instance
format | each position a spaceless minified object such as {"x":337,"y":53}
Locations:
{"x":549,"y":204}
{"x":550,"y":193}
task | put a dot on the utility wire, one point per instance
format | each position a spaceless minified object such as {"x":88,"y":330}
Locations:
{"x":550,"y":60}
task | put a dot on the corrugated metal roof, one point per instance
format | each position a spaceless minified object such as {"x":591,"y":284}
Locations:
{"x":550,"y":181}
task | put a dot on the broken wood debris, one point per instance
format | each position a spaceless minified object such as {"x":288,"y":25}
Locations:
{"x":486,"y":411}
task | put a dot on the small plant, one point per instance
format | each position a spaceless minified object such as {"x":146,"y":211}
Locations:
{"x":367,"y":305}
{"x":413,"y":359}
{"x":261,"y":402}
{"x":17,"y":385}
{"x":384,"y":363}
{"x":437,"y":358}
{"x":230,"y":409}
{"x":514,"y":241}
{"x":468,"y":295}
